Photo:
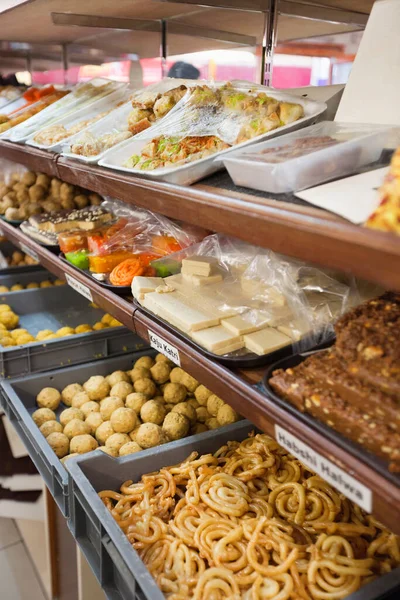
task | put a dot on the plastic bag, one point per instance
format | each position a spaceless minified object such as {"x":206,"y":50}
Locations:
{"x":145,"y":231}
{"x":265,"y":289}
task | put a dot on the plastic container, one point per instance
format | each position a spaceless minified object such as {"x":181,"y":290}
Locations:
{"x":52,"y":308}
{"x":193,"y":171}
{"x":121,"y":573}
{"x":103,"y":104}
{"x":18,"y":399}
{"x":379,"y":465}
{"x":357,"y":145}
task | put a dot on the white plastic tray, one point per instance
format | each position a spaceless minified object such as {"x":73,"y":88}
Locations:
{"x":99,"y":106}
{"x":191,"y":172}
{"x":63,"y":107}
{"x":359,"y":145}
{"x":118,"y":120}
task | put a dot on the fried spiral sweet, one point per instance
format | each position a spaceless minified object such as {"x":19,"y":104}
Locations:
{"x":250,"y":523}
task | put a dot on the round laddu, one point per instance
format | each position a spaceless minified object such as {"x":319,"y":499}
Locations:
{"x":97,"y":387}
{"x":48,"y":398}
{"x":59,"y":443}
{"x":108,"y":405}
{"x":41,"y":415}
{"x":81,"y":444}
{"x":176,"y":426}
{"x":153,"y":412}
{"x":123,"y":420}
{"x":69,"y":392}
{"x":144,"y":361}
{"x":71,"y":413}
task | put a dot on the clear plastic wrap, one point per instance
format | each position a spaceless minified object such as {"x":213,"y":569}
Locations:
{"x":81,"y":96}
{"x":265,"y":289}
{"x":114,"y":129}
{"x":211,"y":118}
{"x":145,"y":231}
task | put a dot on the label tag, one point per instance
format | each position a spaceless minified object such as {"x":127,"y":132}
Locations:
{"x":79,"y":287}
{"x":335,"y":476}
{"x":163,"y":347}
{"x":29,"y":251}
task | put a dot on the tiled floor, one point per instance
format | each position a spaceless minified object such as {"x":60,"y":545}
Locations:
{"x":19,"y":580}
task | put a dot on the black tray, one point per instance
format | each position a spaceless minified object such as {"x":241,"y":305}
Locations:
{"x":120,"y":290}
{"x":12,"y":222}
{"x":337,"y":438}
{"x":245,"y":361}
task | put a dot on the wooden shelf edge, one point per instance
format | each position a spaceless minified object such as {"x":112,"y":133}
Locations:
{"x":306,"y":233}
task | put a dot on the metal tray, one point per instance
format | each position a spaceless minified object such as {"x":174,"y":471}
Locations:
{"x":120,"y":571}
{"x":337,"y":438}
{"x":52,"y":308}
{"x":120,"y":290}
{"x":18,"y":399}
{"x":234,"y":360}
{"x":191,"y":172}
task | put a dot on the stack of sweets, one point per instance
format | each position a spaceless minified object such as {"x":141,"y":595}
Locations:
{"x":355,"y":386}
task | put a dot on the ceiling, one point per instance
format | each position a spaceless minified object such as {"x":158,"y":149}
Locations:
{"x":112,"y":43}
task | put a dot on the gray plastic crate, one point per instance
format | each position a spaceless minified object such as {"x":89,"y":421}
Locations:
{"x":7,"y":248}
{"x":25,"y":277}
{"x":117,"y":566}
{"x":52,"y":308}
{"x":18,"y":399}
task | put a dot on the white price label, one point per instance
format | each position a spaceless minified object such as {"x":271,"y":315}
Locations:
{"x":79,"y":287}
{"x":163,"y":347}
{"x":342,"y":481}
{"x":29,"y":252}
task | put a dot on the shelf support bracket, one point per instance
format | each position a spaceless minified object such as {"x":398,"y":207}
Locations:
{"x":65,"y":62}
{"x":269,"y":41}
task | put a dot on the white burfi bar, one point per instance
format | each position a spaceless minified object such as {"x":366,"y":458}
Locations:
{"x":294,"y":329}
{"x":173,"y":308}
{"x":197,"y":265}
{"x":144,"y":285}
{"x":228,"y":349}
{"x":246,"y":323}
{"x":201,"y":280}
{"x":217,"y":339}
{"x":256,"y":288}
{"x":266,"y":340}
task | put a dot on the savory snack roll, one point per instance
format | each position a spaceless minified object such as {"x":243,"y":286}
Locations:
{"x":252,"y":522}
{"x":121,"y":420}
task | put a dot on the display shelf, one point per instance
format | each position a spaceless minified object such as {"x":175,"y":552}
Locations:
{"x":237,"y":388}
{"x":285,"y":226}
{"x":33,"y":158}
